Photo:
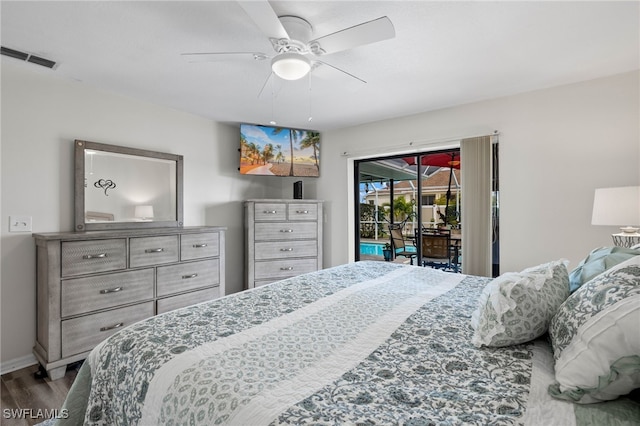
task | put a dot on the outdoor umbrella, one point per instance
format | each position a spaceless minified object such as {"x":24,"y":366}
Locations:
{"x":450,"y":159}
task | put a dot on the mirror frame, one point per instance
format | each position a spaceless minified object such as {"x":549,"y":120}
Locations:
{"x":80,"y":222}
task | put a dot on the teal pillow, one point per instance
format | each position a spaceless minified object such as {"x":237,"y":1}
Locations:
{"x":598,"y":261}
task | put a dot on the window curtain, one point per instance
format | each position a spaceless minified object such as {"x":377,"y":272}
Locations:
{"x":476,"y":158}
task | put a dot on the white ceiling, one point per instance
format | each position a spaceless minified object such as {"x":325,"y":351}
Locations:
{"x":445,"y":53}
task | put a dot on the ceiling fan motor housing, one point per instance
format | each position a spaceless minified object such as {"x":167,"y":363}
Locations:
{"x":299,"y":31}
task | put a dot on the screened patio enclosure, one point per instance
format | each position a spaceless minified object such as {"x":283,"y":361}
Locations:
{"x":415,"y":191}
{"x":384,"y":184}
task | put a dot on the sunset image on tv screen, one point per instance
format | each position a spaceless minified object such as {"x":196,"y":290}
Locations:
{"x":279,"y":151}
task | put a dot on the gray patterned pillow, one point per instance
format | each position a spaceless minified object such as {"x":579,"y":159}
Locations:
{"x":596,"y":337}
{"x":517,"y":307}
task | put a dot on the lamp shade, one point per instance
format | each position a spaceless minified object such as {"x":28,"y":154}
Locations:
{"x":616,"y":206}
{"x":144,"y":212}
{"x":290,"y":66}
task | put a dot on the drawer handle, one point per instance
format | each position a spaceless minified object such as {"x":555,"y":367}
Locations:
{"x":286,"y":230}
{"x":287,"y":268}
{"x":286,"y":249}
{"x":95,"y":256}
{"x":186,"y":277}
{"x":302,"y":211}
{"x":270,"y":212}
{"x":155,"y":250}
{"x":111,"y":327}
{"x":111,"y":290}
{"x":199,"y":245}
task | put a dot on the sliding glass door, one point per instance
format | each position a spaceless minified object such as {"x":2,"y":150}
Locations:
{"x":411,"y":193}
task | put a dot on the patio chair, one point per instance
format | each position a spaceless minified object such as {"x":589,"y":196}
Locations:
{"x":436,"y":248}
{"x":399,"y":242}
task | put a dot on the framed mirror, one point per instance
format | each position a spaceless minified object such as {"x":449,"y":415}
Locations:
{"x":118,"y":187}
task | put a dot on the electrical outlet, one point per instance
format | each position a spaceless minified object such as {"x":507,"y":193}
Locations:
{"x":19,"y":223}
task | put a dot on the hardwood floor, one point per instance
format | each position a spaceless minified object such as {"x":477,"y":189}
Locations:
{"x":28,"y":399}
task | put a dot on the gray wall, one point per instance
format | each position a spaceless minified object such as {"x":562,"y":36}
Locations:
{"x":41,"y":117}
{"x":556,"y":147}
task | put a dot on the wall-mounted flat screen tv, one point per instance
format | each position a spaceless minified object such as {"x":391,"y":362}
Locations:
{"x":279,"y":151}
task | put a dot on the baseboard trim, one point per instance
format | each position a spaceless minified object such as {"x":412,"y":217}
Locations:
{"x":17,"y":364}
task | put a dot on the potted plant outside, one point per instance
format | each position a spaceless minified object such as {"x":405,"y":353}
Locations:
{"x":448,"y":220}
{"x":386,"y":252}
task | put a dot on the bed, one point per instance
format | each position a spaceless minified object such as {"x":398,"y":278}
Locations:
{"x":363,"y":343}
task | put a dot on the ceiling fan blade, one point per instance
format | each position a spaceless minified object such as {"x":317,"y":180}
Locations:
{"x":319,"y":63}
{"x":265,"y":18}
{"x":220,"y":56}
{"x":358,"y":35}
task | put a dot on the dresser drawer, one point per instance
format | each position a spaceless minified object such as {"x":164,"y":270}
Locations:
{"x":270,"y":211}
{"x":187,"y":276}
{"x":303,"y":211}
{"x":82,"y":295}
{"x":175,"y":302}
{"x":198,"y":246}
{"x":284,"y":268}
{"x":147,"y":251}
{"x":286,"y":249}
{"x":83,"y":333}
{"x":264,"y":282}
{"x":286,"y":231}
{"x":83,"y":257}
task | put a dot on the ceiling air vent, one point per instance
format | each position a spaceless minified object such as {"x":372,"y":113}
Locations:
{"x":27,"y":57}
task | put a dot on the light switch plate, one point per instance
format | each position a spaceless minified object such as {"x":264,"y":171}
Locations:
{"x":19,"y":223}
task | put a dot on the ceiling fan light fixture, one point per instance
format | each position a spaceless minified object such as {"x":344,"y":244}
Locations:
{"x":290,"y":65}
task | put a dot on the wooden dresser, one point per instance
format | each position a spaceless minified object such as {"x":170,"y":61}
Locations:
{"x":283,"y":239}
{"x":91,"y":284}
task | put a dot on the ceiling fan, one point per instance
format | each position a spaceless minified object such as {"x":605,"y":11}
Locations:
{"x":296,"y":53}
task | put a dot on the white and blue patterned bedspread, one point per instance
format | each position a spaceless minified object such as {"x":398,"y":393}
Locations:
{"x":364,"y":343}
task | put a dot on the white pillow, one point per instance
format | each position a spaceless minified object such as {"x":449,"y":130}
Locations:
{"x":517,"y":307}
{"x":596,"y":337}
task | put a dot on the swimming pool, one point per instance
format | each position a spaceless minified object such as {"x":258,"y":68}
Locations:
{"x":375,"y":249}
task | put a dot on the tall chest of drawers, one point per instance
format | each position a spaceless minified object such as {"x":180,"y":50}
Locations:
{"x":283,"y":239}
{"x":91,"y":284}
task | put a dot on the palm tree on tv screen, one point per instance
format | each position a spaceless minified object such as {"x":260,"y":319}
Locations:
{"x":293,"y":135}
{"x":267,"y":152}
{"x":254,"y":152}
{"x":249,"y":150}
{"x":279,"y":156}
{"x":312,"y":140}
